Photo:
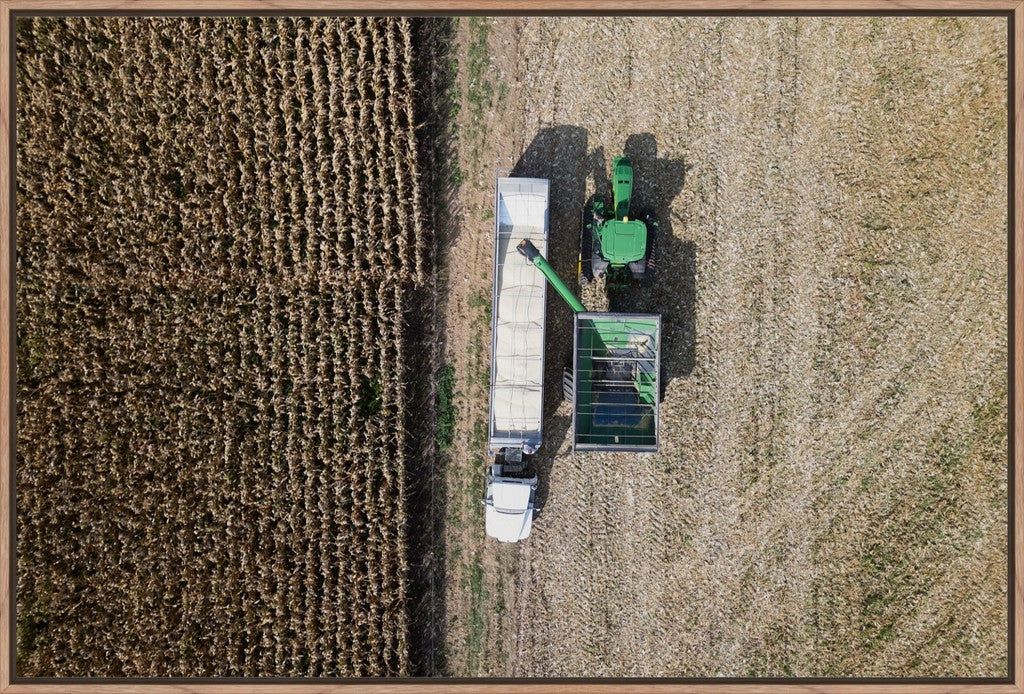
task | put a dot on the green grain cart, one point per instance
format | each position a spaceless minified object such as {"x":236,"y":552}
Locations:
{"x":614,"y":382}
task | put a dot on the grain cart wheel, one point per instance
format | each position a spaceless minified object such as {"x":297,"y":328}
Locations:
{"x":567,"y":383}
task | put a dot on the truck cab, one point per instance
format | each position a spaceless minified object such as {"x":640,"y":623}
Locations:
{"x":509,"y":501}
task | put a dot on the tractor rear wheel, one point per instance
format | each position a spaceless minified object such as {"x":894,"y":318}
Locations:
{"x":585,"y":267}
{"x":650,"y":257}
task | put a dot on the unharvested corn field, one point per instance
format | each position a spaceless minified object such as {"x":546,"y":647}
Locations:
{"x":219,"y":227}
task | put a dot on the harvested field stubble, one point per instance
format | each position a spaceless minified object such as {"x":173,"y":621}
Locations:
{"x":830,"y":497}
{"x":218,"y":229}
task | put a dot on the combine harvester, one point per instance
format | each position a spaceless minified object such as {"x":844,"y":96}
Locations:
{"x":614,"y":382}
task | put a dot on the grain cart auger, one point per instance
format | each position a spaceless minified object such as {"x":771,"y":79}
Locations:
{"x":614,"y":382}
{"x":612,"y":245}
{"x":517,"y":359}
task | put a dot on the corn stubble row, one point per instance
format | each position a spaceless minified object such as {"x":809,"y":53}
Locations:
{"x":218,"y":231}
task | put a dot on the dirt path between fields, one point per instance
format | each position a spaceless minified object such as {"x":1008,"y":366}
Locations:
{"x":480,"y":575}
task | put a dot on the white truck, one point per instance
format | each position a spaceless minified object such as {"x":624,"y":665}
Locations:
{"x":517,"y":358}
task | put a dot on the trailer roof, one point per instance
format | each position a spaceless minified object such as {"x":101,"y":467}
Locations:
{"x":517,"y":316}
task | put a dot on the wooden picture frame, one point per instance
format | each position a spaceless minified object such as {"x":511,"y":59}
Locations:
{"x":1013,"y":9}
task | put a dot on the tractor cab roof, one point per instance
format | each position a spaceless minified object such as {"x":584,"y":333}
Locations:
{"x":623,"y":241}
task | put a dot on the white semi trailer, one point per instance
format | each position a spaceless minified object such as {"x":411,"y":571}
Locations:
{"x":517,"y":358}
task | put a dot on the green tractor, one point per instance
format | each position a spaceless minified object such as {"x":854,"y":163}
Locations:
{"x":613,"y":245}
{"x":614,"y":382}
